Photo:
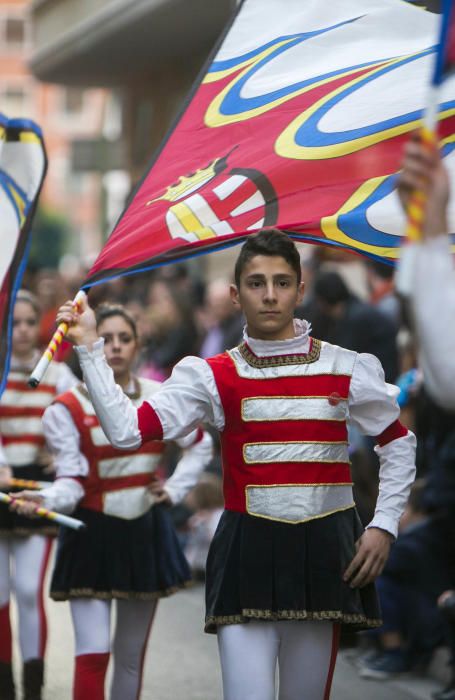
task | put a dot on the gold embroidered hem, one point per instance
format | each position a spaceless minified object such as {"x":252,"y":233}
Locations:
{"x":212,"y":622}
{"x":294,"y":522}
{"x":116,"y":595}
{"x":50,"y":531}
{"x":280,"y":360}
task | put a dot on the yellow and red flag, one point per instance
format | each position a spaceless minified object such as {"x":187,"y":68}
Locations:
{"x":297,"y":122}
{"x":22,"y":170}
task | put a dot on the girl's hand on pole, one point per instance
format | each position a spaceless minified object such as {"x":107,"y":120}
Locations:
{"x":30,"y":501}
{"x":81,"y":322}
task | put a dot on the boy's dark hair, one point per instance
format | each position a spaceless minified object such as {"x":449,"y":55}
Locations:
{"x":105,"y":310}
{"x":269,"y":242}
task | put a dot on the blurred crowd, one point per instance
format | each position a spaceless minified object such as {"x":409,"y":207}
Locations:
{"x":349,"y":302}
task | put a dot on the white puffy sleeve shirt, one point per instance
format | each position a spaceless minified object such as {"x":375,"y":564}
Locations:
{"x":190,"y":397}
{"x":430,"y":274}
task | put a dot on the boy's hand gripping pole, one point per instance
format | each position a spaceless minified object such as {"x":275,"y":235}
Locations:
{"x":56,"y":341}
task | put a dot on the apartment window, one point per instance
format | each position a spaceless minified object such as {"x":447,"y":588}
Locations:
{"x":73,"y":101}
{"x":14,"y":31}
{"x":14,"y":101}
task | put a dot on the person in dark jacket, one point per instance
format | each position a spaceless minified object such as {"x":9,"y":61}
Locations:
{"x":339,"y":317}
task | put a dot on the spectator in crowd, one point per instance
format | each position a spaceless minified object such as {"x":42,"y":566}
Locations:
{"x":206,"y":501}
{"x":339,"y":317}
{"x":225,"y":323}
{"x":412,"y":626}
{"x":446,"y":603}
{"x":50,"y":289}
{"x":380,"y":280}
{"x":174,"y":333}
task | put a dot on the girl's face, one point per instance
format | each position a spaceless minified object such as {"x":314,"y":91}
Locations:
{"x":25,"y":329}
{"x":120,"y":343}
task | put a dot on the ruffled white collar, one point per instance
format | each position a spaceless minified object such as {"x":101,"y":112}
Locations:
{"x":300,"y":343}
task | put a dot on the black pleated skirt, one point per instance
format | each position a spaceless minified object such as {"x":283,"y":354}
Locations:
{"x":13,"y":524}
{"x":117,"y":558}
{"x":259,"y":569}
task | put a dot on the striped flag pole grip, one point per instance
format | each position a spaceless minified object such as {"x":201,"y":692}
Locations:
{"x":416,"y":209}
{"x":49,"y":353}
{"x":41,"y":512}
{"x":418,"y":200}
{"x":27,"y":484}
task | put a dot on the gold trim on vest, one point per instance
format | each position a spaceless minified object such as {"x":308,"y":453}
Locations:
{"x":280,"y":360}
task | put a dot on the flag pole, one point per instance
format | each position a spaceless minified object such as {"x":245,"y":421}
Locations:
{"x":41,"y":512}
{"x":416,"y":209}
{"x":27,"y":484}
{"x":54,"y":344}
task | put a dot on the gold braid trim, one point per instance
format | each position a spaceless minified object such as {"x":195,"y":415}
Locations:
{"x":46,"y":531}
{"x":122,"y":595}
{"x":212,"y":622}
{"x":280,"y":360}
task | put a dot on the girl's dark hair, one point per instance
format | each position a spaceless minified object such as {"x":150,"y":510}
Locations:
{"x":269,"y":242}
{"x":29,"y":298}
{"x":105,"y":311}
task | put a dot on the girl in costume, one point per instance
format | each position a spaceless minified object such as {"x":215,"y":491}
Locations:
{"x":25,"y":544}
{"x":129,"y":552}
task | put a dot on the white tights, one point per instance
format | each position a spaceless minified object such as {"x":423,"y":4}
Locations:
{"x":23,"y":563}
{"x":304,"y":651}
{"x":92,"y":628}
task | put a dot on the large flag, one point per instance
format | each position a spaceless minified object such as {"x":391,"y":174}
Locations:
{"x":298,"y":122}
{"x":22,"y":170}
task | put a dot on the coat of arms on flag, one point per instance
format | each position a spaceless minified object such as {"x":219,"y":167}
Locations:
{"x":22,"y":169}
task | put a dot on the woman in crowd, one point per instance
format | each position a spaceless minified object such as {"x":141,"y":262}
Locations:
{"x":25,"y":544}
{"x":129,"y":551}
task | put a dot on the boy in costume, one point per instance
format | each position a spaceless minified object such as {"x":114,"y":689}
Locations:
{"x":289,"y":561}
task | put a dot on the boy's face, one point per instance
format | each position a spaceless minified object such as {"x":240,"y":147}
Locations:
{"x":268,"y":295}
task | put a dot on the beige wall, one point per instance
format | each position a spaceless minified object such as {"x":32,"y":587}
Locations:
{"x":21,"y":95}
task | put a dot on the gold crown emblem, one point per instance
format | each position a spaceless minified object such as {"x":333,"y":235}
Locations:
{"x":189,"y":183}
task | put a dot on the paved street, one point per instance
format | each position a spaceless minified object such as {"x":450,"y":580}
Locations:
{"x":182,"y":661}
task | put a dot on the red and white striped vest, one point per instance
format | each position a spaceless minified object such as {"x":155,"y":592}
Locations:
{"x":21,"y":411}
{"x":284,"y":444}
{"x":118,"y":479}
